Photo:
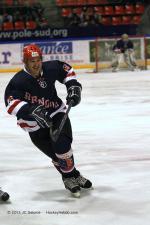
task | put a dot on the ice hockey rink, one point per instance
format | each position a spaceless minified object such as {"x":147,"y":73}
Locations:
{"x":111,"y":147}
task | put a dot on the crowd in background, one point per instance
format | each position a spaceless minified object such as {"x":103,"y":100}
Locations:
{"x":88,"y":17}
{"x":32,"y":10}
{"x":27,"y":12}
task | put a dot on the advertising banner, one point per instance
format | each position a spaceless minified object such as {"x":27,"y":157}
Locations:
{"x":10,"y":55}
{"x":75,"y":53}
{"x":22,"y":35}
{"x":72,"y":52}
{"x":78,"y":53}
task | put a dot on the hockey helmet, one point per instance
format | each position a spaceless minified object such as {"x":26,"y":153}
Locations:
{"x":31,"y":51}
{"x":125,"y":36}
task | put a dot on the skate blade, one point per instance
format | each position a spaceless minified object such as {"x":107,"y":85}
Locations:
{"x":86,"y":189}
{"x":114,"y":71}
{"x":137,"y":69}
{"x":76,"y":194}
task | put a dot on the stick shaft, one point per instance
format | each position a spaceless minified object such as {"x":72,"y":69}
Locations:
{"x":55,"y":134}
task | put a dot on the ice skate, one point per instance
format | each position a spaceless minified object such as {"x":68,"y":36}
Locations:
{"x":131,"y":68}
{"x":72,"y":185}
{"x":137,"y":69}
{"x":115,"y":69}
{"x":4,"y":196}
{"x":83,"y":182}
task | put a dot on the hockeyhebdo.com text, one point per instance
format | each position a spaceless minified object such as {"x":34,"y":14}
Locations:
{"x":51,"y":33}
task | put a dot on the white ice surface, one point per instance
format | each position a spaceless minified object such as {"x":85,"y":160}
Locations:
{"x":111,"y":147}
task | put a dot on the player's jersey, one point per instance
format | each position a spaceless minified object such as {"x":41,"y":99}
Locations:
{"x":24,"y":91}
{"x":123,"y":46}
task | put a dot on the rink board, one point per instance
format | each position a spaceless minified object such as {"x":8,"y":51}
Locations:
{"x":79,"y":53}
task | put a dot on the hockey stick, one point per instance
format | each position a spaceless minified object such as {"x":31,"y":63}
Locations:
{"x":55,"y":134}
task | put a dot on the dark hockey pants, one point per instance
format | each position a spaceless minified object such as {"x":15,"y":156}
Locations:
{"x":41,"y":139}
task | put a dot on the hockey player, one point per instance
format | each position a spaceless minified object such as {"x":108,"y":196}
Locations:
{"x":124,"y":48}
{"x":32,"y":97}
{"x":4,"y":196}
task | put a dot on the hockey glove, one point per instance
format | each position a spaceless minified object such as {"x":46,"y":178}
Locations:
{"x":42,"y":116}
{"x":74,"y":94}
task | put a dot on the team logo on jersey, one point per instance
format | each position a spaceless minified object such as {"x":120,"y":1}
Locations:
{"x":41,"y":101}
{"x":42,"y":83}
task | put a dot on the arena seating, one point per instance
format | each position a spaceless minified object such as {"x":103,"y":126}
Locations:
{"x":116,"y":20}
{"x":126,"y":20}
{"x":31,"y":25}
{"x":119,"y":9}
{"x":111,"y":14}
{"x":129,"y":9}
{"x":19,"y":25}
{"x":139,"y":8}
{"x":109,"y":10}
{"x":103,"y":11}
{"x":17,"y":15}
{"x":8,"y":26}
{"x":106,"y":21}
{"x":136,"y":19}
{"x":9,"y":2}
{"x":66,"y":12}
{"x":99,"y":10}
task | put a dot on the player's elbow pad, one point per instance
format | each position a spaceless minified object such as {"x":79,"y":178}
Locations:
{"x":24,"y":111}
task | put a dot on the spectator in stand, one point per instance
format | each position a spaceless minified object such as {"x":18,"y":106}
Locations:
{"x":27,"y":9}
{"x":144,"y":27}
{"x":74,"y":19}
{"x":89,"y":17}
{"x":84,"y":15}
{"x":94,"y":19}
{"x":29,"y":17}
{"x":86,"y":21}
{"x":37,"y":9}
{"x":1,"y":20}
{"x":42,"y":22}
{"x":18,"y":16}
{"x":15,"y":2}
{"x":7,"y":17}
